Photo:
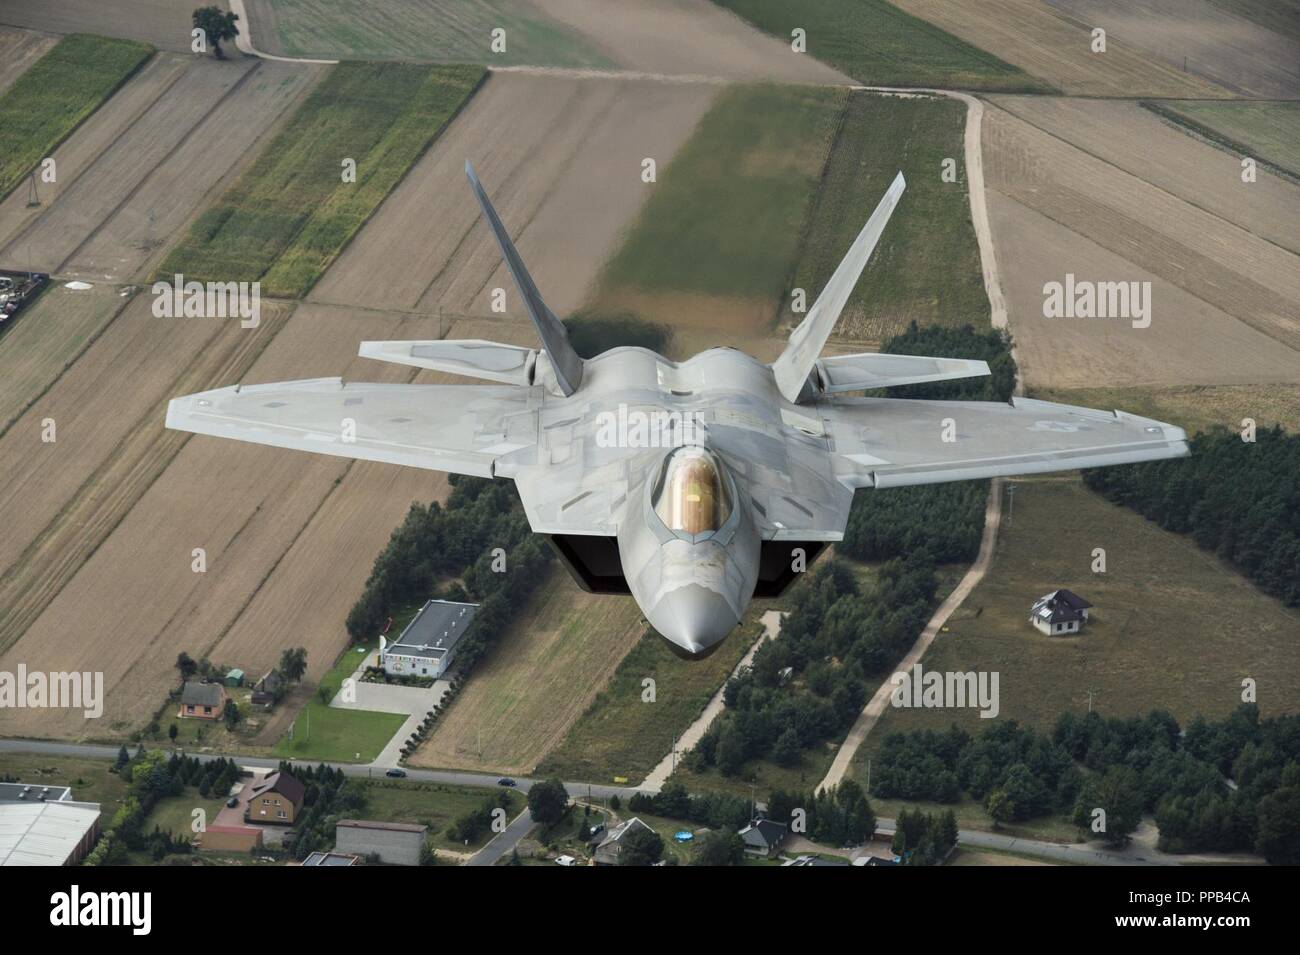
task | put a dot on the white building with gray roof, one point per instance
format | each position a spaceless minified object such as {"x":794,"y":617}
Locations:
{"x":427,"y":646}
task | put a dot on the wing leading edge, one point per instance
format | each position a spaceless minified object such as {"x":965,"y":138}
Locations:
{"x":461,"y":429}
{"x":891,"y":442}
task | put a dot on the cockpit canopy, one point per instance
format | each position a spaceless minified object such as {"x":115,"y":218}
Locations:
{"x":691,"y":495}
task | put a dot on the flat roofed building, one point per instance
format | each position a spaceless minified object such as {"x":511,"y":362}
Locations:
{"x":394,"y":843}
{"x":33,"y":792}
{"x":330,"y":858}
{"x":47,"y":833}
{"x":427,"y":646}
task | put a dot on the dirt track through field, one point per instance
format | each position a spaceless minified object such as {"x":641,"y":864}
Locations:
{"x":143,"y":170}
{"x":561,"y":159}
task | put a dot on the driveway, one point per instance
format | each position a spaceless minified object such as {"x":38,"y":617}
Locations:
{"x":413,"y":701}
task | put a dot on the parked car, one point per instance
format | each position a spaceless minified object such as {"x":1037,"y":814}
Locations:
{"x":505,"y":781}
{"x":566,"y":860}
{"x":396,"y":773}
{"x":232,"y":802}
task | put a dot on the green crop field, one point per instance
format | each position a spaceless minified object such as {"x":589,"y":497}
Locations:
{"x":927,"y":265}
{"x":880,"y":45}
{"x":621,"y":734}
{"x":1268,"y":132}
{"x":291,"y":213}
{"x":725,"y":217}
{"x":446,"y":31}
{"x":52,"y":98}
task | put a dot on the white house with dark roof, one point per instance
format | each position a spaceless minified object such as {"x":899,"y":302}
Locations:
{"x":427,"y":645}
{"x":1059,"y":613}
{"x":763,"y":837}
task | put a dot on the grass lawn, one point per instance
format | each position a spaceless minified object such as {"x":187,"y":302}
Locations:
{"x":880,"y":45}
{"x":1171,"y":627}
{"x":91,"y":779}
{"x":434,"y":805}
{"x":447,"y":31}
{"x":175,"y":813}
{"x":621,"y":736}
{"x":760,"y":776}
{"x":971,"y":815}
{"x":56,"y":94}
{"x":1269,"y":132}
{"x":290,"y":214}
{"x":337,"y":735}
{"x":927,"y":265}
{"x":724,"y":219}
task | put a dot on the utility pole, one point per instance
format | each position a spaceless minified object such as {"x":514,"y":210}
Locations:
{"x":1011,"y":502}
{"x":868,"y":776}
{"x":1091,"y":691}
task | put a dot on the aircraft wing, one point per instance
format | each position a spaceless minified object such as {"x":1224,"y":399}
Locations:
{"x":462,"y":429}
{"x":890,"y":442}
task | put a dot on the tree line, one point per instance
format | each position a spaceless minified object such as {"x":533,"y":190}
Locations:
{"x":1239,"y":499}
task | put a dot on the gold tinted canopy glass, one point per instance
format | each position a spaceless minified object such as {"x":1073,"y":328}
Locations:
{"x":691,"y":496}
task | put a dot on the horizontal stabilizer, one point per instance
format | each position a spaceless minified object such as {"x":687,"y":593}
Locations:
{"x":508,"y":364}
{"x":862,"y":372}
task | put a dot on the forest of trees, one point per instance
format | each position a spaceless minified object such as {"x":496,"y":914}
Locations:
{"x":1127,"y":767}
{"x":1237,"y":498}
{"x":438,"y":542}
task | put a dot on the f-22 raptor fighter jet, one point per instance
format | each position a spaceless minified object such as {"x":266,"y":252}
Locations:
{"x":692,"y":486}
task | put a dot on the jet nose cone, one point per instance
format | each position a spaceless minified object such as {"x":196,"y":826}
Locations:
{"x":693,"y":617}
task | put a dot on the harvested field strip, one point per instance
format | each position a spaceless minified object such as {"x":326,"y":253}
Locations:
{"x":446,"y":31}
{"x":1056,"y":49}
{"x":1159,"y":151}
{"x":287,"y":218}
{"x":538,"y":678}
{"x":60,"y":90}
{"x":1193,"y":407}
{"x":727,"y":213}
{"x":19,"y":49}
{"x":1267,"y":132}
{"x":927,"y":266}
{"x":92,"y":512}
{"x":1214,"y":260}
{"x":114,"y":175}
{"x":46,"y":339}
{"x":880,"y":45}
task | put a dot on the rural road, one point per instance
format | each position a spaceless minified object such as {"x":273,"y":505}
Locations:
{"x":686,"y":742}
{"x":876,"y":705}
{"x":975,"y":839}
{"x":504,"y":841}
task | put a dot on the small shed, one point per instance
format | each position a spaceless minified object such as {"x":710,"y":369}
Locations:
{"x":235,"y":677}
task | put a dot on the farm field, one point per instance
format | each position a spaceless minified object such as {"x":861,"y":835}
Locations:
{"x":1055,"y":49}
{"x":561,"y":160}
{"x":46,"y":338}
{"x":54,"y":95}
{"x":138,"y":170}
{"x":290,"y":214}
{"x":1128,"y":138}
{"x":1267,"y":131}
{"x":927,"y":266}
{"x":1203,"y":37}
{"x":441,"y":31}
{"x":717,"y":241}
{"x":19,"y":49}
{"x":879,"y":44}
{"x":1171,"y":627}
{"x":1224,"y":301}
{"x":620,"y":734}
{"x":162,"y":23}
{"x":537,"y":680}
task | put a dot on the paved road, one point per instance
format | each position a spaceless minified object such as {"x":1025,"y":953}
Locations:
{"x":504,"y":841}
{"x":866,"y":721}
